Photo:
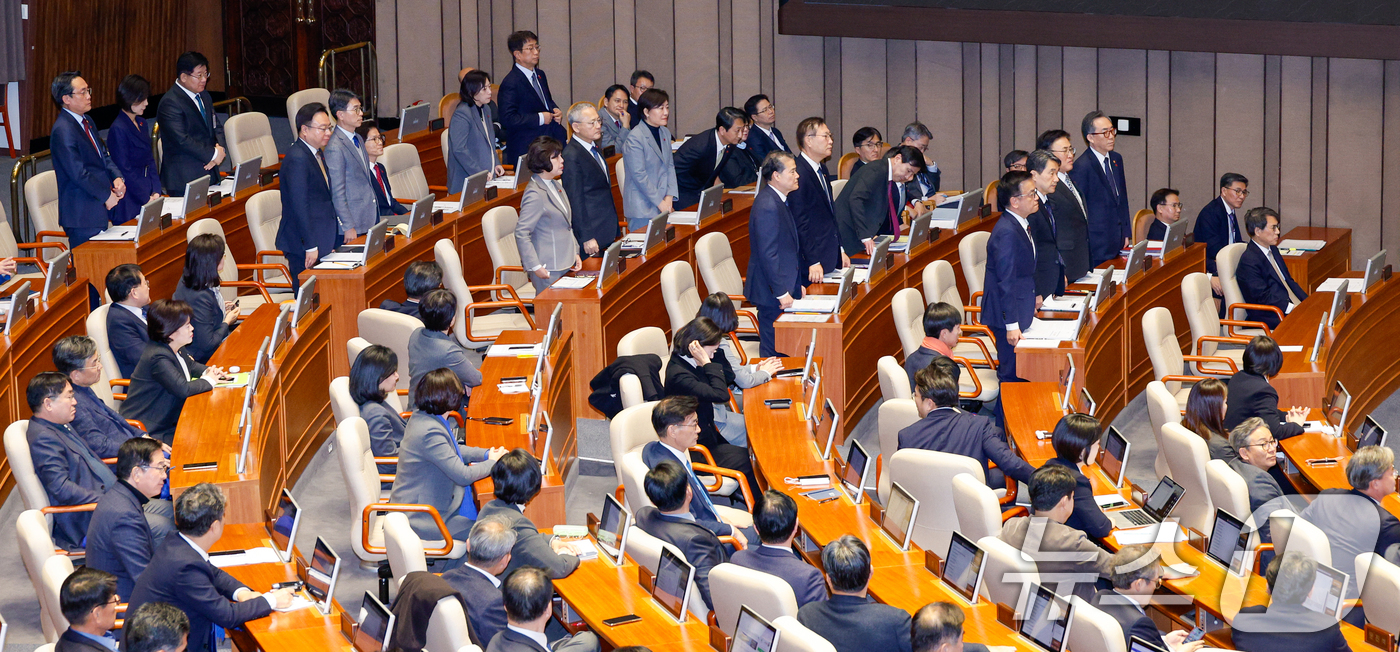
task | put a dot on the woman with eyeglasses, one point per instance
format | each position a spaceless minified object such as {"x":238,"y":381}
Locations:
{"x":868,"y":143}
{"x":472,"y":138}
{"x":379,"y":177}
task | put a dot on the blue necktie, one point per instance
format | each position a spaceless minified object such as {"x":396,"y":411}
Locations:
{"x":599,"y":157}
{"x":1108,"y":172}
{"x":356,"y":138}
{"x":535,"y":81}
{"x":199,"y":102}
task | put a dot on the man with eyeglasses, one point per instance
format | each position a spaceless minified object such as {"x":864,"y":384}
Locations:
{"x":1071,"y":224}
{"x":347,"y":166}
{"x":88,"y":600}
{"x":1217,"y":224}
{"x":99,"y":426}
{"x":587,"y":184}
{"x":1354,"y":520}
{"x":812,"y":205}
{"x":528,"y":111}
{"x":309,"y":227}
{"x":1257,"y":447}
{"x":764,"y":137}
{"x":89,"y":182}
{"x":120,"y":538}
{"x":1009,"y":300}
{"x":1166,"y":208}
{"x":189,"y":130}
{"x":640,"y":82}
{"x":1101,"y":183}
{"x":1136,"y":576}
{"x":1263,"y":275}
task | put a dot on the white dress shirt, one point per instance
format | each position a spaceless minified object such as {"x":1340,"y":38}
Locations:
{"x":494,"y":581}
{"x":135,"y":311}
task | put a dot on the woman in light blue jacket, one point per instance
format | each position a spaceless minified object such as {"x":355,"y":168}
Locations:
{"x":650,"y":184}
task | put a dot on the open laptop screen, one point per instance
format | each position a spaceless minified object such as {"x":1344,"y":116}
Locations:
{"x":854,"y":478}
{"x":752,"y":633}
{"x":282,"y":527}
{"x":1228,"y":540}
{"x":900,"y":511}
{"x":1048,"y":622}
{"x":671,"y":587}
{"x":1329,"y":587}
{"x":1115,"y":457}
{"x":612,"y":528}
{"x":962,"y":569}
{"x":376,"y":623}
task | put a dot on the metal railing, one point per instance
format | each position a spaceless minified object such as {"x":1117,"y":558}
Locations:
{"x":239,"y":104}
{"x":369,"y":73}
{"x":21,"y":222}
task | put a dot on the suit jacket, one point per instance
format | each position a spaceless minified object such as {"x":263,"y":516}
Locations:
{"x":1259,"y":283}
{"x":209,"y":326}
{"x":814,"y":213}
{"x":806,"y":581}
{"x":544,"y":234}
{"x":308,"y":213}
{"x":352,"y":187}
{"x":71,"y":475}
{"x":1106,"y":210}
{"x":99,"y":426}
{"x":863,"y":209}
{"x":1286,"y":628}
{"x":1158,"y":231}
{"x":761,"y":144}
{"x":84,"y":174}
{"x":950,"y":430}
{"x":72,"y":641}
{"x":635,"y":110}
{"x":1087,"y":515}
{"x":924,"y":184}
{"x":130,"y":145}
{"x":531,"y":548}
{"x":654,"y":453}
{"x":482,"y":599}
{"x":127,"y":337}
{"x":1049,"y":270}
{"x":651,"y":173}
{"x":920,"y":359}
{"x":1130,"y":616}
{"x":700,"y":546}
{"x":472,"y":143}
{"x":614,"y":133}
{"x":589,"y":189}
{"x":187,"y":138}
{"x":1263,"y":488}
{"x":854,"y":624}
{"x":605,"y":394}
{"x":178,"y":575}
{"x":520,"y":111}
{"x":1216,"y":228}
{"x":1252,"y":396}
{"x":1354,"y":524}
{"x":119,"y":539}
{"x":699,"y":164}
{"x":159,"y":388}
{"x":1008,"y":295}
{"x":775,"y":265}
{"x":408,"y":307}
{"x":433,"y":469}
{"x":509,"y":640}
{"x":384,"y":197}
{"x":429,"y":350}
{"x":386,"y":428}
{"x":1072,"y":231}
{"x":1062,"y":550}
{"x":706,"y":383}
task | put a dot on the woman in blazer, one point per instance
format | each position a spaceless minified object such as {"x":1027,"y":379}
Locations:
{"x":433,"y":468}
{"x":130,"y":144}
{"x":373,"y":377}
{"x":374,"y":148}
{"x":1076,"y":439}
{"x":166,"y":374}
{"x":199,"y":287}
{"x":472,"y":137}
{"x":544,"y":234}
{"x":1251,"y":395}
{"x":651,"y":171}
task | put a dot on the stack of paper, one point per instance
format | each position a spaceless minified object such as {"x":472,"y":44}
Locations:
{"x":1052,"y":329}
{"x":298,"y":603}
{"x":581,"y":548}
{"x":862,"y":274}
{"x":239,"y":380}
{"x":343,"y":257}
{"x":573,"y":282}
{"x":822,"y":303}
{"x":445,"y":206}
{"x":901,"y":244}
{"x":1351,"y":284}
{"x":246,"y":558}
{"x":117,"y":233}
{"x":1071,"y":303}
{"x":1304,"y":245}
{"x":174,"y":205}
{"x":513,"y":351}
{"x":224,"y":187}
{"x":507,"y":182}
{"x":634,"y":240}
{"x":812,"y":319}
{"x":684,"y":218}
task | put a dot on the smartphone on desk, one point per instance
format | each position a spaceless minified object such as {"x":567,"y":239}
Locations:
{"x":778,"y":403}
{"x":621,"y":620}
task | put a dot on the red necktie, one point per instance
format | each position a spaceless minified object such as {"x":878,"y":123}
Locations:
{"x":88,"y":128}
{"x":382,"y":187}
{"x":894,"y":211}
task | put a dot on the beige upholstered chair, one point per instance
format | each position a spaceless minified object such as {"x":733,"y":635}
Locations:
{"x":306,"y":96}
{"x":448,"y":630}
{"x":41,"y":197}
{"x":404,"y":548}
{"x":472,"y":330}
{"x":1227,"y":263}
{"x":797,"y":638}
{"x":837,"y":187}
{"x":391,"y":329}
{"x":893,"y":416}
{"x":1300,"y":536}
{"x":1187,"y":455}
{"x":629,"y":431}
{"x":632,"y":470}
{"x":972,"y":255}
{"x":1228,"y":490}
{"x":941,"y":285}
{"x":97,"y":330}
{"x":928,"y":476}
{"x":646,"y":551}
{"x":679,"y":294}
{"x":1206,"y":335}
{"x":648,"y":339}
{"x":406,"y":174}
{"x":1162,"y":408}
{"x":249,"y":135}
{"x":36,"y":547}
{"x":894,"y":383}
{"x":343,"y":406}
{"x":264,"y":210}
{"x":620,"y":171}
{"x":1007,"y":573}
{"x":55,"y":569}
{"x":979,"y":514}
{"x":9,"y":248}
{"x":31,"y":490}
{"x":270,"y":281}
{"x":1159,"y":334}
{"x":1092,"y":630}
{"x":1379,"y":582}
{"x":354,"y":346}
{"x":732,"y":585}
{"x":907,"y":306}
{"x":715,"y":259}
{"x":498,"y":229}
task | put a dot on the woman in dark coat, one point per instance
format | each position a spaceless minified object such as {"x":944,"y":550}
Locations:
{"x":166,"y":375}
{"x":129,"y":141}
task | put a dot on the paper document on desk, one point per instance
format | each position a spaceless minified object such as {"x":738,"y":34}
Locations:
{"x":900,"y":244}
{"x":1110,"y":501}
{"x":824,"y":303}
{"x":574,"y":282}
{"x":1051,"y":329}
{"x":1351,"y":284}
{"x":1092,"y":278}
{"x":246,"y":558}
{"x":810,"y":319}
{"x":513,"y":351}
{"x":117,"y":233}
{"x":684,"y":218}
{"x":1069,"y":303}
{"x":507,"y":182}
{"x":1028,"y":343}
{"x":861,"y":275}
{"x":1306,"y":245}
{"x":581,"y":548}
{"x":298,"y":602}
{"x":240,"y":379}
{"x":1319,"y":427}
{"x":1167,"y":532}
{"x":445,"y":206}
{"x":224,"y":187}
{"x":332,"y":264}
{"x":634,"y":240}
{"x":1296,"y":348}
{"x":174,"y":205}
{"x":343,"y":257}
{"x":676,"y":144}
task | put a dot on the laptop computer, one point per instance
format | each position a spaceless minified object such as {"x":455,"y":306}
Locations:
{"x":282,"y":525}
{"x":1328,"y":590}
{"x":413,"y":119}
{"x":148,"y":222}
{"x":548,"y":428}
{"x":753,"y":633}
{"x":1067,"y":390}
{"x":18,"y":300}
{"x":671,"y":584}
{"x":416,"y":220}
{"x":918,"y":234}
{"x":827,"y":303}
{"x":643,"y":241}
{"x":1369,"y":433}
{"x":1229,"y":542}
{"x":1137,"y":256}
{"x":1086,"y":402}
{"x":321,"y":575}
{"x":196,"y":195}
{"x":612,"y":529}
{"x":900,"y":511}
{"x":957,"y":210}
{"x":517,"y":180}
{"x":1101,"y":292}
{"x":1338,"y":404}
{"x":1139,"y":645}
{"x":246,"y":175}
{"x":962,"y":568}
{"x":810,"y":393}
{"x":879,"y":256}
{"x":857,"y":466}
{"x":608,"y":268}
{"x":305,"y":294}
{"x":53,"y":277}
{"x":1113,"y":456}
{"x":1047,"y":624}
{"x":473,"y":190}
{"x":376,"y":625}
{"x":708,"y":206}
{"x":1176,"y":234}
{"x":1158,"y":506}
{"x":279,"y":329}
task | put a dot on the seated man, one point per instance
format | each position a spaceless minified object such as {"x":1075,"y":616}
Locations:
{"x":433,"y":347}
{"x":677,"y":429}
{"x":99,"y":426}
{"x":516,"y":476}
{"x":927,"y":179}
{"x":180,"y":573}
{"x":776,"y":521}
{"x":130,"y":292}
{"x":670,"y":521}
{"x":1262,"y":274}
{"x":120,"y":539}
{"x":88,"y":599}
{"x":944,"y":428}
{"x":942,"y":328}
{"x":70,"y":472}
{"x":1354,"y":520}
{"x":1285,"y":624}
{"x":155,"y":627}
{"x":1015,"y":160}
{"x":1166,"y":206}
{"x":850,"y":620}
{"x":938,"y":627}
{"x":1136,"y":577}
{"x":1256,"y":447}
{"x":527,"y":594}
{"x":1055,"y":547}
{"x":488,"y":555}
{"x":421,"y":277}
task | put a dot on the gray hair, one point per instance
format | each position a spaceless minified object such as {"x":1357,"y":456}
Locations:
{"x":1296,"y":574}
{"x":198,"y":508}
{"x":1133,"y":563}
{"x":576,"y":111}
{"x":72,"y":353}
{"x":1239,"y":436}
{"x":491,"y":539}
{"x":1369,"y":464}
{"x":916,"y":130}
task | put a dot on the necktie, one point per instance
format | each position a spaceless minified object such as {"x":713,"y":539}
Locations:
{"x":143,"y":313}
{"x":826,"y":187}
{"x":104,"y":474}
{"x":894,"y":208}
{"x":322,"y":162}
{"x":356,"y":140}
{"x":379,"y":178}
{"x":1234,"y":227}
{"x":1054,"y":230}
{"x":1108,"y":172}
{"x":1292,"y":298}
{"x":199,"y":102}
{"x":599,"y":158}
{"x":1074,"y":191}
{"x":698,"y":489}
{"x":535,"y":81}
{"x":91,"y":136}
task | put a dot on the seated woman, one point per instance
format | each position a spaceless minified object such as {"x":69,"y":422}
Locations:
{"x":1205,"y":416}
{"x":374,"y":148}
{"x":694,"y":371}
{"x":517,"y":480}
{"x":1076,"y":442}
{"x":1251,"y":395}
{"x":544,"y":235}
{"x":166,"y":375}
{"x":432,"y":347}
{"x":720,"y":310}
{"x":433,"y":468}
{"x":199,"y":287}
{"x":373,"y":377}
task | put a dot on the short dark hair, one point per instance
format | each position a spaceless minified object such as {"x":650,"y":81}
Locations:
{"x":84,"y":590}
{"x":775,"y":517}
{"x":806,"y":127}
{"x":908,"y":154}
{"x":1040,"y":159}
{"x":727,"y":116}
{"x":517,"y":40}
{"x":371,"y":367}
{"x":1262,"y":357}
{"x":847,"y":564}
{"x":155,"y":626}
{"x":639,"y":75}
{"x":526,"y":592}
{"x":607,"y":94}
{"x":135,"y":452}
{"x":340,"y":100}
{"x":934,"y":383}
{"x":773,"y":164}
{"x":1048,"y":137}
{"x":438,"y":392}
{"x":437,"y":309}
{"x":44,"y":385}
{"x":671,"y":411}
{"x":1013,"y":156}
{"x":363,"y":130}
{"x":472,"y":83}
{"x":198,"y":508}
{"x":1160,"y":197}
{"x":307,"y":114}
{"x":866,"y":133}
{"x":516,"y":477}
{"x":1294,"y":579}
{"x":71,"y":353}
{"x":1074,"y":435}
{"x":166,"y":316}
{"x":1008,"y":186}
{"x":719,"y":308}
{"x":665,"y":485}
{"x":188,"y":61}
{"x":751,"y":104}
{"x":1049,"y":485}
{"x":1255,"y":219}
{"x":652,"y":98}
{"x":131,"y":91}
{"x":121,"y":280}
{"x":1086,"y":126}
{"x":1230,"y":178}
{"x":701,"y":330}
{"x":62,"y":86}
{"x":934,"y":624}
{"x":940,"y":316}
{"x":202,"y":256}
{"x":421,"y":277}
{"x":542,"y":149}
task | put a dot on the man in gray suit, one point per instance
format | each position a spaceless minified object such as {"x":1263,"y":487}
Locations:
{"x":776,"y":520}
{"x":1354,"y":520}
{"x":527,"y":594}
{"x":433,"y":347}
{"x":347,"y":167}
{"x":1257,"y":446}
{"x":1055,"y":547}
{"x":544,"y":234}
{"x":488,"y":555}
{"x":650,"y":184}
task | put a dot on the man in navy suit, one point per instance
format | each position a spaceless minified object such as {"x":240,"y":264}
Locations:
{"x":421,"y":277}
{"x":938,"y":627}
{"x":774,"y":278}
{"x":764,"y":137}
{"x":70,"y":472}
{"x":1217,"y":224}
{"x":701,"y":160}
{"x":1049,"y":264}
{"x":1009,"y":301}
{"x":155,"y":627}
{"x":309,"y":227}
{"x":189,"y":130}
{"x":1071,"y":225}
{"x":776,"y":521}
{"x":943,"y":428}
{"x":528,"y":111}
{"x":874,"y":199}
{"x":1099,"y":179}
{"x":477,"y":583}
{"x":120,"y":540}
{"x":812,"y":206}
{"x":89,"y":183}
{"x":99,"y":426}
{"x":850,"y":620}
{"x":587,"y":184}
{"x":181,"y":574}
{"x":677,"y":429}
{"x":1263,"y":275}
{"x":527,"y":593}
{"x":88,"y":600}
{"x":667,"y":488}
{"x":1166,"y":207}
{"x":641,"y":82}
{"x":1137,"y":572}
{"x":130,"y":292}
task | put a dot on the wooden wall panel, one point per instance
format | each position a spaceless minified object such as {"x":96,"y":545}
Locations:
{"x":1193,"y":134}
{"x":1026,"y":99}
{"x":900,"y":72}
{"x":798,"y":85}
{"x":1295,"y":141}
{"x":591,"y":74}
{"x":971,"y":114}
{"x":860,"y":57}
{"x":696,"y":98}
{"x":552,"y":26}
{"x":624,"y":40}
{"x":1239,"y":121}
{"x":1122,"y":91}
{"x":1390,"y":199}
{"x":1317,"y":211}
{"x":1354,"y":169}
{"x":940,"y":107}
{"x":1156,"y":125}
{"x":989,"y":104}
{"x":1049,"y":88}
{"x":747,"y":47}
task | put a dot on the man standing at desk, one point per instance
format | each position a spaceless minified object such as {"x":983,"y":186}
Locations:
{"x":347,"y":166}
{"x":1049,"y":265}
{"x":1099,"y":179}
{"x":1263,"y":275}
{"x":89,"y":183}
{"x":309,"y":227}
{"x":874,"y":198}
{"x":1009,"y":301}
{"x":587,"y":184}
{"x":774,"y":277}
{"x":700,"y":162}
{"x":528,"y":111}
{"x":189,"y":130}
{"x":813,"y":208}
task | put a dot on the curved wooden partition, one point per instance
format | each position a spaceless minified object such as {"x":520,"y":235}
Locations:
{"x":1361,"y":356}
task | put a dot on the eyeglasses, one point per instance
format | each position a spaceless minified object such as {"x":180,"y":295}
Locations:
{"x":822,"y":136}
{"x":325,"y":128}
{"x":530,"y":48}
{"x":1066,"y":150}
{"x":769,"y":109}
{"x":1107,"y":133}
{"x":83,"y":91}
{"x":1171,"y":206}
{"x":376,"y":139}
{"x":202,"y":76}
{"x":164,"y":469}
{"x":1267,"y":443}
{"x":869,"y":144}
{"x":1240,"y":192}
{"x":1017,"y":166}
{"x":590,"y":123}
{"x":691,"y":424}
{"x":355,"y":109}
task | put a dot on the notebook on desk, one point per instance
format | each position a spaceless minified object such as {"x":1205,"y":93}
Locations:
{"x":826,"y":303}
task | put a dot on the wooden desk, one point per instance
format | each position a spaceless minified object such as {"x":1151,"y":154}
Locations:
{"x":913,"y":586}
{"x":1362,"y":355}
{"x":1314,"y":267}
{"x":599,"y":590}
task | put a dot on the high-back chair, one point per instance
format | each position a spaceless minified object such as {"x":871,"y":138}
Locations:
{"x":1206,"y":336}
{"x":249,"y":135}
{"x":264,"y":210}
{"x":644,"y":340}
{"x":1302,"y":537}
{"x":1142,"y":222}
{"x":844,"y":165}
{"x":306,"y":96}
{"x":1379,"y":582}
{"x":1187,"y":455}
{"x":405,"y":170}
{"x":354,"y":347}
{"x":1163,"y":348}
{"x":51,"y":575}
{"x":41,"y":198}
{"x":837,"y":187}
{"x":343,"y":406}
{"x":498,"y":229}
{"x":894,"y":383}
{"x":989,"y":194}
{"x":446,"y":106}
{"x":893,"y":416}
{"x":403,"y":547}
{"x":941,"y":285}
{"x":679,"y":294}
{"x":928,"y":477}
{"x":391,"y":329}
{"x":1007,"y":573}
{"x":732,"y":585}
{"x":977,"y":383}
{"x":620,"y":173}
{"x":972,"y":255}
{"x":715,"y":260}
{"x":1162,"y":408}
{"x":97,"y":330}
{"x":629,"y":431}
{"x":797,"y":638}
{"x":9,"y":248}
{"x":1092,"y":630}
{"x":1228,"y":490}
{"x":646,"y":551}
{"x":448,"y":629}
{"x":978,"y":509}
{"x":269,"y":280}
{"x":36,"y":547}
{"x":1227,"y":264}
{"x":470,"y":329}
{"x":31,"y":490}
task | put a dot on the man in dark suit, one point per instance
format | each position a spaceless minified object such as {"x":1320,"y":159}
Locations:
{"x":421,"y":277}
{"x":516,"y":479}
{"x":677,"y":429}
{"x":927,"y":177}
{"x":874,"y":198}
{"x":1263,"y":275}
{"x":89,"y":183}
{"x":667,"y":486}
{"x":587,"y":184}
{"x":1049,"y":265}
{"x":944,"y":428}
{"x":701,"y":161}
{"x":527,"y":594}
{"x":641,"y":82}
{"x":129,"y":292}
{"x":1137,"y":572}
{"x":1166,"y":208}
{"x":1285,"y":625}
{"x":1099,"y":179}
{"x":189,"y":130}
{"x":938,"y":627}
{"x":528,"y":111}
{"x":181,"y":574}
{"x":1071,"y":224}
{"x":99,"y":426}
{"x":70,"y":472}
{"x":309,"y":227}
{"x":155,"y":627}
{"x":488,"y":555}
{"x":764,"y":137}
{"x":776,"y":521}
{"x":119,"y":539}
{"x":1217,"y":224}
{"x":850,"y":620}
{"x":88,"y":599}
{"x":1354,"y":520}
{"x":774,"y":277}
{"x":811,"y":204}
{"x":942,"y":328}
{"x":1009,"y":300}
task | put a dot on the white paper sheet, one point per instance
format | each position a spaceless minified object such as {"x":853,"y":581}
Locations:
{"x":247,"y":557}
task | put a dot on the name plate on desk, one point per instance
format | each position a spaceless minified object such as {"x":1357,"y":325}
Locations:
{"x":266,"y":177}
{"x":436,"y":124}
{"x":986,"y":210}
{"x":436,"y":218}
{"x":1380,"y":638}
{"x":645,"y":579}
{"x":348,"y":626}
{"x":490,"y":193}
{"x":1006,"y":615}
{"x":215,"y":199}
{"x":670,"y":233}
{"x":933,"y":562}
{"x":726,"y":206}
{"x":388,"y":243}
{"x":718,"y":639}
{"x":166,"y":220}
{"x":877,"y":513}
